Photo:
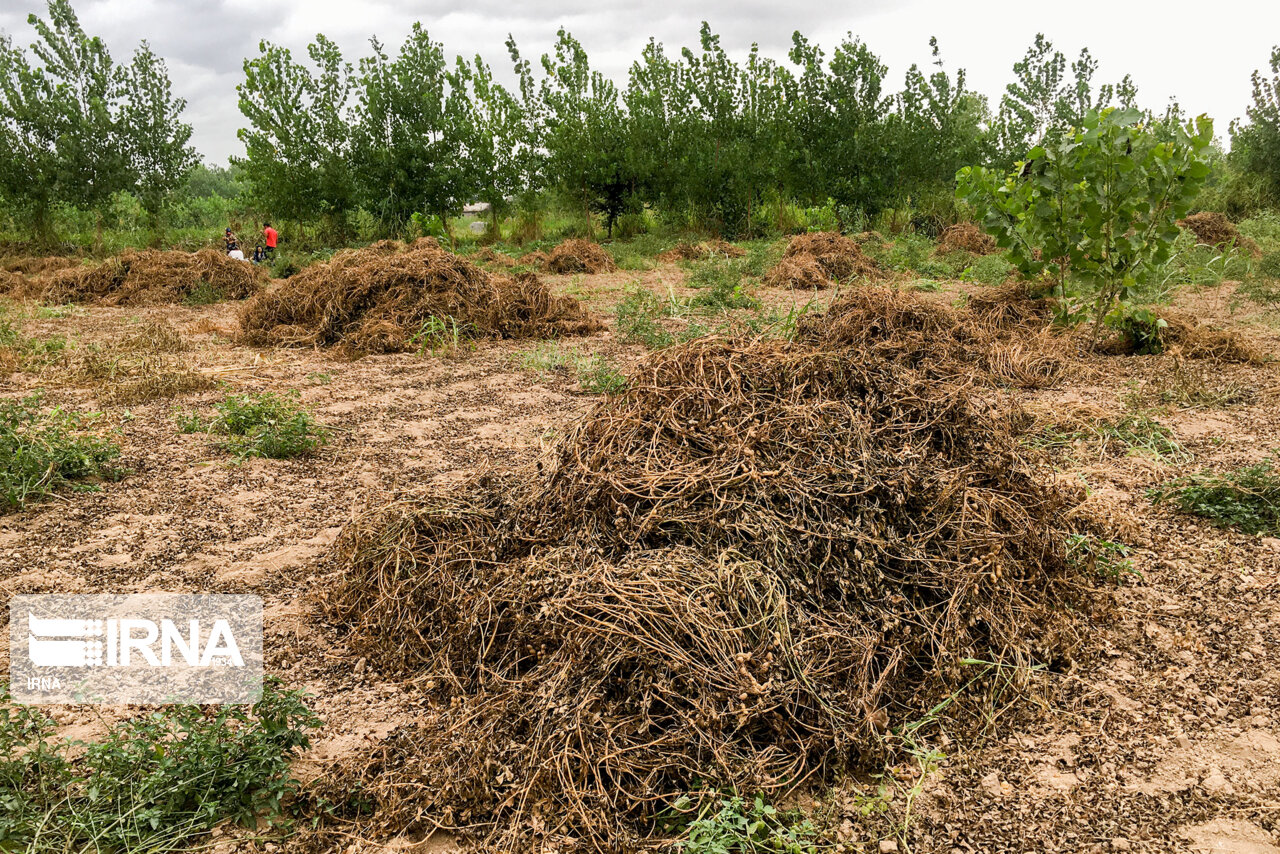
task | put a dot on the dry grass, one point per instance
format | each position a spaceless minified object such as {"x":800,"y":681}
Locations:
{"x":1211,"y":228}
{"x":578,"y":256}
{"x":819,"y":260}
{"x":730,"y":574}
{"x":1197,"y":340}
{"x":377,"y":299}
{"x":965,"y":236}
{"x":152,"y":277}
{"x":1001,"y":338}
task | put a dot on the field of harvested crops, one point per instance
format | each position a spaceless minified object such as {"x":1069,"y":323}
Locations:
{"x":567,"y":549}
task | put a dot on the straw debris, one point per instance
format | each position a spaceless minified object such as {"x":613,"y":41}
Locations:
{"x":152,"y":276}
{"x":967,"y":237}
{"x":376,"y":299}
{"x":578,"y":256}
{"x":725,"y":576}
{"x":819,"y":260}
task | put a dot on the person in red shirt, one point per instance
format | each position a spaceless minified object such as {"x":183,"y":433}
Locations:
{"x":272,"y":237}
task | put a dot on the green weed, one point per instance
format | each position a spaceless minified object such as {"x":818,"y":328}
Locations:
{"x":43,"y":452}
{"x":738,"y":826}
{"x":988,"y":270}
{"x":594,"y":374}
{"x":204,"y":294}
{"x":1103,"y":558}
{"x":260,"y":425}
{"x":1247,"y":498}
{"x":637,"y":317}
{"x":723,"y":287}
{"x":156,"y":783}
{"x":1131,"y":433}
{"x":442,"y":335}
{"x":598,"y":376}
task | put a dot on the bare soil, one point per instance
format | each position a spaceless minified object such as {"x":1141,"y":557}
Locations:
{"x":1169,"y":740}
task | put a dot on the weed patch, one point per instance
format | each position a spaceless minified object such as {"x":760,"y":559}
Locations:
{"x":1247,"y":498}
{"x":260,"y":425}
{"x":1128,"y":434}
{"x":155,"y":783}
{"x":41,"y":452}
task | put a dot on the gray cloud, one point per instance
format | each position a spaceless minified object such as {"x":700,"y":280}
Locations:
{"x":1203,"y":59}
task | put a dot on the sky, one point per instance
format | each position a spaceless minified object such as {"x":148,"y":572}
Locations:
{"x":1170,"y":48}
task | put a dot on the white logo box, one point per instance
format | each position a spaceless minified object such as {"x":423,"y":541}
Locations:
{"x":139,"y":649}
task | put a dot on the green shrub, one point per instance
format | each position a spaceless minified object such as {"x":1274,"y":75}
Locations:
{"x":988,"y":270}
{"x":154,"y":783}
{"x":1247,"y":499}
{"x":260,"y":425}
{"x":43,"y":452}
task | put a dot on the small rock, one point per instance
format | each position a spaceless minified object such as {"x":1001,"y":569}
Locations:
{"x":1182,"y":741}
{"x":991,"y":784}
{"x":1214,"y":782}
{"x":888,"y":846}
{"x":359,"y":668}
{"x":1120,"y":844}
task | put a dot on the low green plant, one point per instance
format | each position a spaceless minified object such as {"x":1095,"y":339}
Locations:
{"x":260,"y":425}
{"x":442,"y":335}
{"x":1264,"y":230}
{"x":204,"y":294}
{"x":988,"y":270}
{"x":721,"y":281}
{"x":597,"y":376}
{"x":27,"y":353}
{"x":1269,"y":265}
{"x":1143,"y":328}
{"x":155,"y":783}
{"x":1134,"y":433}
{"x":735,"y":825}
{"x":545,"y":357}
{"x":772,"y":322}
{"x":925,"y":286}
{"x":41,"y":452}
{"x":910,"y":251}
{"x":1247,"y":498}
{"x":637,"y":317}
{"x":1104,"y":558}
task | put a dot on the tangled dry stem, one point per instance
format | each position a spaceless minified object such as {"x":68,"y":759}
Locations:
{"x":578,"y":256}
{"x":725,"y":576}
{"x":152,"y":276}
{"x":377,"y":299}
{"x":819,"y":260}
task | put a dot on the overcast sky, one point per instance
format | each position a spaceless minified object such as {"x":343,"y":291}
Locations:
{"x":1201,"y":53}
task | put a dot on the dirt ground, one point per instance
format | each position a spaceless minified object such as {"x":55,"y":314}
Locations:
{"x":1167,"y":740}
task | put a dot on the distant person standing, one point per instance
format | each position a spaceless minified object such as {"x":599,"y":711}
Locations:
{"x":272,"y":237}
